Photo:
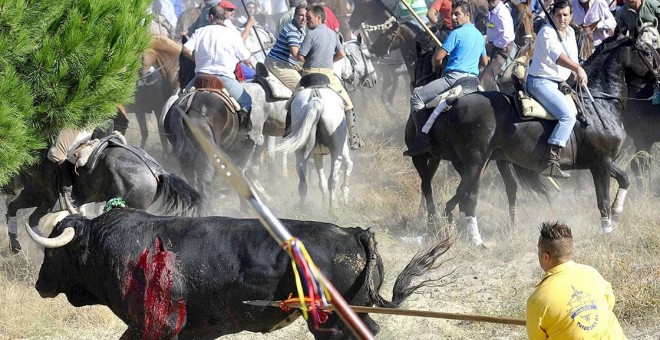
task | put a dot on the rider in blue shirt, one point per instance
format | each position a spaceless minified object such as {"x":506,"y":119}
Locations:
{"x":466,"y":48}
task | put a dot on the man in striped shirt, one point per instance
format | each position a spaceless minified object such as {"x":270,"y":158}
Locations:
{"x":281,"y":61}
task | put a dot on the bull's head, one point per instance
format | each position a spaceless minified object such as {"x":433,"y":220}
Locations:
{"x":62,"y":256}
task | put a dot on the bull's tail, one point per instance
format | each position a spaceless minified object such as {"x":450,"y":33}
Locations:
{"x":303,"y":130}
{"x":177,"y":196}
{"x":421,"y":263}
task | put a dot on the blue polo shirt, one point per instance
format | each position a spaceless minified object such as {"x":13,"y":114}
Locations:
{"x":465,"y":46}
{"x":290,"y":35}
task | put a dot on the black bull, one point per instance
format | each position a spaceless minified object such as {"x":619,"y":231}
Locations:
{"x":165,"y":276}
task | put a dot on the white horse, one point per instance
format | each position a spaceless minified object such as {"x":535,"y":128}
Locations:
{"x":318,"y":127}
{"x":268,"y":116}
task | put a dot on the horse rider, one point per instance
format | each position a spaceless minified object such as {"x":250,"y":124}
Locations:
{"x":500,"y":36}
{"x":281,"y":60}
{"x":229,"y":8}
{"x":466,"y":49}
{"x":287,"y":16}
{"x":555,"y":57}
{"x":442,"y":8}
{"x":588,"y":12}
{"x":218,"y":49}
{"x":628,"y":15}
{"x":418,"y":6}
{"x":318,"y":51}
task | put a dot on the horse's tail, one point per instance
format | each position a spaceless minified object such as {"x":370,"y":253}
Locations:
{"x":303,"y":130}
{"x":421,"y":263}
{"x":178,"y":196}
{"x":530,"y":180}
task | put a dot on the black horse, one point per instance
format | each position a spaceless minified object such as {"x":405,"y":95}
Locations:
{"x":642,"y":123}
{"x":485,"y":125}
{"x":125,"y":172}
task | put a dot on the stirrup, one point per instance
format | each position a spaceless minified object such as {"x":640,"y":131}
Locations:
{"x":553,"y":170}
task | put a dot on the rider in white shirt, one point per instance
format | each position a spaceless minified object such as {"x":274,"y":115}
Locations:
{"x":218,"y":49}
{"x":587,"y":12}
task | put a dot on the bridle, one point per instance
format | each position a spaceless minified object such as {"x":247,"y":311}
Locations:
{"x":353,"y":80}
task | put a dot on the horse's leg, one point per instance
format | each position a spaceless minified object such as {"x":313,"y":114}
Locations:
{"x":320,"y":170}
{"x":348,"y":162}
{"x":452,"y":202}
{"x":301,"y":168}
{"x":24,"y":200}
{"x":335,"y":164}
{"x":141,"y":118}
{"x":601,"y":172}
{"x":389,"y":82}
{"x":511,"y":187}
{"x":622,"y":179}
{"x":426,"y":169}
{"x":469,"y":187}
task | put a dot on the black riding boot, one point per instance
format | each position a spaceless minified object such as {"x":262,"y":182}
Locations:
{"x":244,"y":117}
{"x":354,"y":138}
{"x":14,"y":245}
{"x":422,"y":143}
{"x":551,"y":163}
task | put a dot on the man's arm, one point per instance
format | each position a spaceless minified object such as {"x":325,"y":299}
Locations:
{"x":432,"y":15}
{"x":187,"y":53}
{"x":483,"y":61}
{"x":245,"y":34}
{"x":338,"y":55}
{"x":440,"y":54}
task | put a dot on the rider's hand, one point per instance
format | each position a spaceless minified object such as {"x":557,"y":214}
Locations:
{"x":581,"y":76}
{"x":250,"y":22}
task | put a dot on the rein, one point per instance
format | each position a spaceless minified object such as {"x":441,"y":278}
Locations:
{"x":353,"y":62}
{"x":382,"y":27}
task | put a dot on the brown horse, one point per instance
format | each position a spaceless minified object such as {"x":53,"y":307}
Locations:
{"x":158,"y":81}
{"x":218,"y":122}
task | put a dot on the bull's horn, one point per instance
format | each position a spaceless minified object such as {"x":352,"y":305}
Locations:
{"x":69,"y":205}
{"x":59,"y":241}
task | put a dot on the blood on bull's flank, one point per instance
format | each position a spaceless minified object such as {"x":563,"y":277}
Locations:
{"x":148,"y":292}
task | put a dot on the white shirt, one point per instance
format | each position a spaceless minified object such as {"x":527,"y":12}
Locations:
{"x":547,"y":49}
{"x":598,"y":11}
{"x":217,"y":50}
{"x":499,"y":29}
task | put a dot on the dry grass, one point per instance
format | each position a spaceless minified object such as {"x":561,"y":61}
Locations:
{"x":385,"y":197}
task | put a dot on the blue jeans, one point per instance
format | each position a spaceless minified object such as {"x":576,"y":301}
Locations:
{"x":426,"y":93}
{"x":234,"y":88}
{"x":547,"y":93}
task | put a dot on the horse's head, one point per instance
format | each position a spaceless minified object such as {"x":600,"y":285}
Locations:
{"x":358,"y":69}
{"x":621,"y":55}
{"x":648,"y":32}
{"x":585,"y":40}
{"x":524,"y":29}
{"x":370,"y":13}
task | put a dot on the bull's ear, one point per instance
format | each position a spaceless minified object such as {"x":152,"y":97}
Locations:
{"x":359,"y":38}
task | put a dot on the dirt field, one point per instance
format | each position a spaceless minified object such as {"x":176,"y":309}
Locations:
{"x":385,"y":197}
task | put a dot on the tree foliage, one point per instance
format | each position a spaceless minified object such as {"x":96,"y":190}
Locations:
{"x":64,"y":63}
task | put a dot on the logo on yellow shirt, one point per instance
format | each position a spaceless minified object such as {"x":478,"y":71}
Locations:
{"x":583,"y":310}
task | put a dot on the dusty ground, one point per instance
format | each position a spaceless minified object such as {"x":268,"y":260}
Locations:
{"x":385,"y":196}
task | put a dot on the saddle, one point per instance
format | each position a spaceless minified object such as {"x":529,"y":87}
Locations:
{"x":88,"y":153}
{"x":314,"y":80}
{"x":528,"y":108}
{"x":272,"y":85}
{"x":461,"y":87}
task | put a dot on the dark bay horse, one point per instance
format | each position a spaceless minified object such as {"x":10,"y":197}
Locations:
{"x":484,"y":125}
{"x":128,"y":173}
{"x":218,"y":122}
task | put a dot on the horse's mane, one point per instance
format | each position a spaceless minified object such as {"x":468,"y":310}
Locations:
{"x":605,"y":50}
{"x":164,"y":44}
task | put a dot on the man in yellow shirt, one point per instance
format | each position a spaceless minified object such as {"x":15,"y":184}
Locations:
{"x":573,"y":301}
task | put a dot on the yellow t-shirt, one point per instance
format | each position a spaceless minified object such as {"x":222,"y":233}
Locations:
{"x":573,"y":301}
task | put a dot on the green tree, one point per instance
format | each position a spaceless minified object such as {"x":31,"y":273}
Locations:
{"x":64,"y":63}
